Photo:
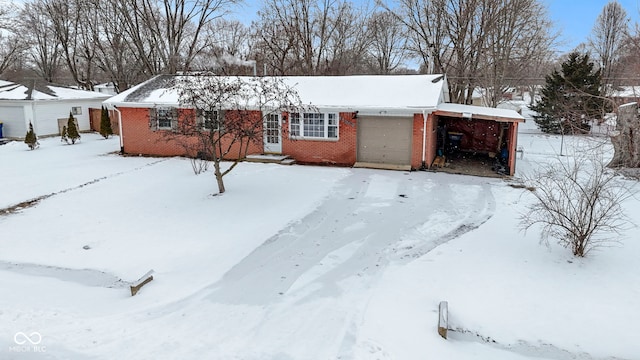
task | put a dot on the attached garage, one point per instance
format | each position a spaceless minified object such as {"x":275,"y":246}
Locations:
{"x":384,"y":140}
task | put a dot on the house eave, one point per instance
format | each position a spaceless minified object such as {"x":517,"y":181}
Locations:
{"x":361,"y":110}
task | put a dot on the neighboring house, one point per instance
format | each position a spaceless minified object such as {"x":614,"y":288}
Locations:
{"x":625,"y":94}
{"x":47,"y":107}
{"x":396,"y":121}
{"x":106,"y":88}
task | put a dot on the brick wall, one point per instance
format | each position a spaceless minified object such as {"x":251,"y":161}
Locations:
{"x":416,"y":143}
{"x":341,"y":152}
{"x":140,"y":139}
{"x":95,"y":117}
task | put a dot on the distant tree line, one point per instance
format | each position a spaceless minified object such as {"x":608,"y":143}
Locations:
{"x":489,"y":44}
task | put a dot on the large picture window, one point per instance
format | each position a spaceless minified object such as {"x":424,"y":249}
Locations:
{"x":314,"y":125}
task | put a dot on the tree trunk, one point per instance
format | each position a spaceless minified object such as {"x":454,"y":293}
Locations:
{"x":626,"y":139}
{"x":218,"y":174}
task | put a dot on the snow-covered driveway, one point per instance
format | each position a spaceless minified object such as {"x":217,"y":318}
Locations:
{"x":304,"y":292}
{"x":371,"y":218}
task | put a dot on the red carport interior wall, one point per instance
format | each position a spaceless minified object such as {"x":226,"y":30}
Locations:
{"x":339,"y":152}
{"x":479,"y":135}
{"x":138,"y":138}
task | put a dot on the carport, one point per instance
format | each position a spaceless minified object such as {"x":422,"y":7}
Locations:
{"x":476,"y":140}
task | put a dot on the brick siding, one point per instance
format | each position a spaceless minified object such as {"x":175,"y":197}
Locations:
{"x":140,"y":139}
{"x":340,"y":152}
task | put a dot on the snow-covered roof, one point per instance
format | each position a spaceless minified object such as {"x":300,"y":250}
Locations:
{"x":400,"y":93}
{"x":15,"y":91}
{"x":626,"y":92}
{"x":480,"y":112}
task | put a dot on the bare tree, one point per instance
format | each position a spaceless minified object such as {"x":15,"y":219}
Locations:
{"x":427,"y":31}
{"x":626,"y":138}
{"x":11,"y":44}
{"x":70,"y":20}
{"x":223,"y":116}
{"x":476,"y":42}
{"x":578,"y":202}
{"x":628,"y":64}
{"x":347,"y":47}
{"x":227,"y":50}
{"x":228,"y":37}
{"x":519,"y":43}
{"x":116,"y":57}
{"x":11,"y":50}
{"x":607,"y":38}
{"x":167,"y":33}
{"x":388,"y":42}
{"x":310,"y":37}
{"x":39,"y":33}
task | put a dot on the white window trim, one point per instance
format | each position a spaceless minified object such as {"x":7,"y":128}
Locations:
{"x":326,"y":137}
{"x":76,"y":110}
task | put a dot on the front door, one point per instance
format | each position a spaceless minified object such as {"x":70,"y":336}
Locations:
{"x":273,"y":134}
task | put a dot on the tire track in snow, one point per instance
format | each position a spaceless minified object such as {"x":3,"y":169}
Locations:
{"x":35,"y":201}
{"x":357,"y":234}
{"x":546,"y":351}
{"x":338,"y":252}
{"x":430,"y":240}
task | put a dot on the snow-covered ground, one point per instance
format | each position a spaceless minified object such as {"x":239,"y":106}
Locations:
{"x":295,"y":262}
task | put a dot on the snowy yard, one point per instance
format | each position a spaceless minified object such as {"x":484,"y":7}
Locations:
{"x":295,"y":262}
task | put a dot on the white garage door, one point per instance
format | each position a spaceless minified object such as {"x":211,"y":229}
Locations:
{"x":385,"y":140}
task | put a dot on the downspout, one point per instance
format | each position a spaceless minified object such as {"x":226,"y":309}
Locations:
{"x":425,"y":113}
{"x":120,"y":129}
{"x":32,"y":120}
{"x":424,"y":140}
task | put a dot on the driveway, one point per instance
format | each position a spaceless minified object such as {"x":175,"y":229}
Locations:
{"x":312,"y":281}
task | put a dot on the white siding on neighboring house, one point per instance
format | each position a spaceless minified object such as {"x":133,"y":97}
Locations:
{"x":12,"y":118}
{"x":21,"y":104}
{"x":47,"y":114}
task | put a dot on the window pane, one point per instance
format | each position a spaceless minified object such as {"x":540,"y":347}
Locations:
{"x":273,"y":129}
{"x":210,"y":119}
{"x":295,"y":124}
{"x":313,"y":125}
{"x":164,"y":118}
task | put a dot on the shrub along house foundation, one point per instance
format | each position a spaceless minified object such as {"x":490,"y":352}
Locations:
{"x":384,"y":121}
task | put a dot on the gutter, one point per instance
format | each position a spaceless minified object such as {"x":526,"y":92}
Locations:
{"x":120,"y":129}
